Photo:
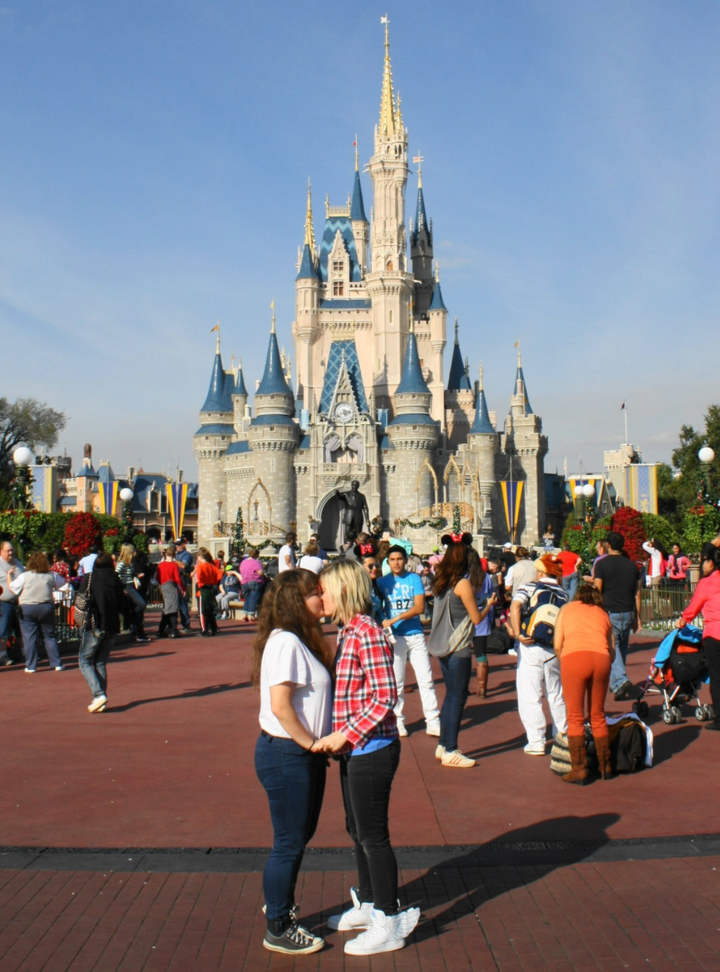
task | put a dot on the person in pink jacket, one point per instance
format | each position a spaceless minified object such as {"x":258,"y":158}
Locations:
{"x":706,"y":601}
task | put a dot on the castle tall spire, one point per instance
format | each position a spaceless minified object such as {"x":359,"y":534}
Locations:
{"x":482,"y":424}
{"x":309,"y":230}
{"x":388,"y":117}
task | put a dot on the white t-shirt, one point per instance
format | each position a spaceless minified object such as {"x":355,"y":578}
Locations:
{"x":286,"y":551}
{"x":286,"y":659}
{"x":315,"y":564}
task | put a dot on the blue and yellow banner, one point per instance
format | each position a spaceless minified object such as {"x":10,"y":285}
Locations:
{"x":512,"y":498}
{"x":641,"y":487}
{"x":108,"y":493}
{"x":177,"y":498}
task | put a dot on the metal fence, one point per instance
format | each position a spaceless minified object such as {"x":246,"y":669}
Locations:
{"x":661,"y":606}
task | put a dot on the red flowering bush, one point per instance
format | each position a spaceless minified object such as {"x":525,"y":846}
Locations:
{"x":629,"y":523}
{"x":82,"y":531}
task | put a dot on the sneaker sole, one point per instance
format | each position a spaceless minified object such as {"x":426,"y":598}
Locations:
{"x":387,"y":947}
{"x":294,"y":951}
{"x":347,"y":927}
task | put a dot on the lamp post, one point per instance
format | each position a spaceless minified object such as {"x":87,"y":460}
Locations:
{"x":706,"y":455}
{"x":23,"y":459}
{"x":126,"y":495}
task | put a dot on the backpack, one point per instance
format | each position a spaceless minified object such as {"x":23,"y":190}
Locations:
{"x":628,"y":747}
{"x":499,"y":642}
{"x":540,"y":613}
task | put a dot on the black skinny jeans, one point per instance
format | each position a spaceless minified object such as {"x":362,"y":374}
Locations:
{"x":366,"y":781}
{"x":712,"y":659}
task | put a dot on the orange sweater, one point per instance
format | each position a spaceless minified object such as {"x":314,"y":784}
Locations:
{"x":585,"y":627}
{"x":207,"y":574}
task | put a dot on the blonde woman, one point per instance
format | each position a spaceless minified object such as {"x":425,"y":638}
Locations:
{"x":365,"y":737}
{"x":125,"y":570}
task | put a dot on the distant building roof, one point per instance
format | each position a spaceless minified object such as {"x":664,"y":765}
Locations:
{"x":332,"y":225}
{"x":482,"y":424}
{"x":273,"y":380}
{"x":414,"y":418}
{"x":412,"y":379}
{"x":236,"y":448}
{"x":437,"y":302}
{"x":332,"y":373}
{"x":308,"y":270}
{"x":357,"y":208}
{"x":219,"y":394}
{"x":216,"y":428}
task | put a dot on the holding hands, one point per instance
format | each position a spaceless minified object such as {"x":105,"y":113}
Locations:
{"x":334,"y":744}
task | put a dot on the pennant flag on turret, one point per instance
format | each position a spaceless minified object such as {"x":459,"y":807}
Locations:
{"x":512,"y":498}
{"x":177,"y":498}
{"x":108,"y":497}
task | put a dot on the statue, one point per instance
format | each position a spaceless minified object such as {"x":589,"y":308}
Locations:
{"x":353,"y":512}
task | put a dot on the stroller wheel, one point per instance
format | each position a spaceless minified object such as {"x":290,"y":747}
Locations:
{"x":668,"y":717}
{"x":700,"y":713}
{"x":677,"y":714}
{"x":709,"y":711}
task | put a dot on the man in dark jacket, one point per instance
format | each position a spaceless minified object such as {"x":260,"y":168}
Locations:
{"x":106,"y":594}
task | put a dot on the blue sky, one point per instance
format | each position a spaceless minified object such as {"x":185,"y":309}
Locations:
{"x":152,"y":181}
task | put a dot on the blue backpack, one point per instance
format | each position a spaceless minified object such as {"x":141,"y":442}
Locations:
{"x":540,"y":613}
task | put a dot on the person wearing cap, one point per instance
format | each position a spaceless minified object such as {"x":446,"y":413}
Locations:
{"x":538,"y":670}
{"x":185,"y":563}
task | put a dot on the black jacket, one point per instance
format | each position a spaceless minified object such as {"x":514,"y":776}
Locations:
{"x":106,"y":593}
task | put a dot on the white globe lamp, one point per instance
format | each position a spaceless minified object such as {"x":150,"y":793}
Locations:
{"x":23,"y":456}
{"x":579,"y":491}
{"x":706,"y":455}
{"x":126,"y":494}
{"x":588,"y":490}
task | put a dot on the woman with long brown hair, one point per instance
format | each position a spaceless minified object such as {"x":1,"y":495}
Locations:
{"x":35,"y":589}
{"x":291,"y":664}
{"x":451,"y":582}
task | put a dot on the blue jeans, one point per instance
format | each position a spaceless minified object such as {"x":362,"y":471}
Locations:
{"x":183,"y":612}
{"x":7,"y":622}
{"x":36,"y":617}
{"x":92,"y":659}
{"x":456,"y":675}
{"x":622,"y":624}
{"x":294,"y":781}
{"x":251,"y":593}
{"x":570,"y":585}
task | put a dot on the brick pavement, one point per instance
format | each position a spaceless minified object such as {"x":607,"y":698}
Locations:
{"x":552,"y":886}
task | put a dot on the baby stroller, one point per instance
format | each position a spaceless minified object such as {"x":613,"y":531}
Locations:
{"x":677,"y":672}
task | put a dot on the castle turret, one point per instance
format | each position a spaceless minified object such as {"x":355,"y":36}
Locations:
{"x":274,"y":437}
{"x":421,"y":254}
{"x":389,"y":285}
{"x":437,"y":317}
{"x":360,"y":225}
{"x":483,"y":445}
{"x":459,"y":398}
{"x":414,"y":434}
{"x":211,"y":441}
{"x":307,"y":299}
{"x":525,"y":447}
{"x":240,"y":402}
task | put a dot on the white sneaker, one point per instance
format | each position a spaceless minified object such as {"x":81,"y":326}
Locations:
{"x":535,"y":749}
{"x":511,"y":651}
{"x":359,"y":916}
{"x":402,"y":731}
{"x":433,"y":728}
{"x":387,"y":933}
{"x":97,"y":704}
{"x":457,"y":760}
{"x":439,"y":752}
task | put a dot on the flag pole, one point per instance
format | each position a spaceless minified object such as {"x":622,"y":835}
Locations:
{"x":627,"y":440}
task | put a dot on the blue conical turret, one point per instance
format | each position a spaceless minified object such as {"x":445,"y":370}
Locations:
{"x":357,"y":207}
{"x":421,"y":224}
{"x":437,"y":302}
{"x":482,"y":424}
{"x":219,"y":396}
{"x":240,"y":388}
{"x":412,"y":379}
{"x":458,"y":379}
{"x":520,"y":391}
{"x":273,"y":380}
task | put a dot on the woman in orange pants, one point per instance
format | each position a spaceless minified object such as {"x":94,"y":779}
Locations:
{"x":584,"y":645}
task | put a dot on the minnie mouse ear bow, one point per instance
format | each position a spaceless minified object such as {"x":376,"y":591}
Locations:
{"x":451,"y":538}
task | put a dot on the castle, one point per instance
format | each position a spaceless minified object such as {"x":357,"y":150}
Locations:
{"x":369,"y":402}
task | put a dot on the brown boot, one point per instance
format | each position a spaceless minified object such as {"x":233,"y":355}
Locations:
{"x":602,"y":747}
{"x":481,"y":670}
{"x":578,"y":773}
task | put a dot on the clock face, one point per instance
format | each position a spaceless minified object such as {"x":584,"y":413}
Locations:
{"x":343,"y":413}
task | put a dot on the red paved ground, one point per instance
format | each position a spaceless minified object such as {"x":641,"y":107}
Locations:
{"x":661,"y":916}
{"x":170,"y":764}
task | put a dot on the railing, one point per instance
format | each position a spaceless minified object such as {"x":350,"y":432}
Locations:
{"x":661,"y":606}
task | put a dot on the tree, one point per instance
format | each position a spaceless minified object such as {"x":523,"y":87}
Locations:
{"x":238,"y":544}
{"x":26,"y":422}
{"x":691,"y":482}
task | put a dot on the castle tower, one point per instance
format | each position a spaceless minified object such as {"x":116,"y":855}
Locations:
{"x":210,"y":442}
{"x":274,"y":437}
{"x":524,"y":446}
{"x":437,"y":317}
{"x":240,"y":402}
{"x":389,"y":285}
{"x":360,"y":225}
{"x":459,"y":399}
{"x":413,"y":434}
{"x":307,"y":298}
{"x":421,"y":254}
{"x":483,"y":445}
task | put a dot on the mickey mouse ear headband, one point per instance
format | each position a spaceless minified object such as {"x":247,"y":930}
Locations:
{"x":451,"y":538}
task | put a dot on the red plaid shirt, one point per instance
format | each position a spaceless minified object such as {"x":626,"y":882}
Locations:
{"x":365,"y":689}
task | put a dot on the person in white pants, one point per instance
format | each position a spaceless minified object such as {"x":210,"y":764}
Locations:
{"x":404,"y":603}
{"x":538,"y":670}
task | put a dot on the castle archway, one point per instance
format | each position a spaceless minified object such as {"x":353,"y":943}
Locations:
{"x":328,"y":516}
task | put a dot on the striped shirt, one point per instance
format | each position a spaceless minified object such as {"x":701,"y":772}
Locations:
{"x":365,"y":688}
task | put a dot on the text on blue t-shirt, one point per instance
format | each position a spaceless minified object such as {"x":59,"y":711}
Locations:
{"x":399,"y":595}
